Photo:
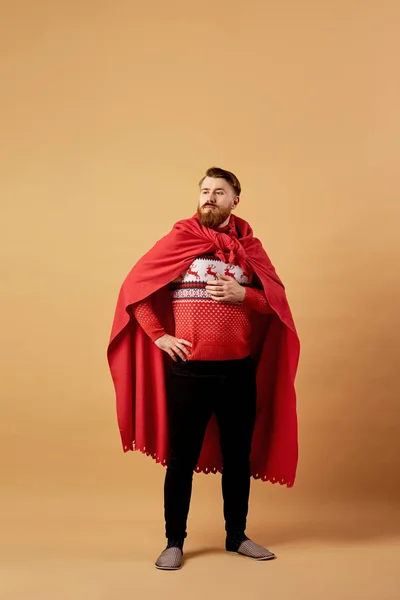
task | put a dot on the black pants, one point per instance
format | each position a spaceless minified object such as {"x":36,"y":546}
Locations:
{"x":196,"y":390}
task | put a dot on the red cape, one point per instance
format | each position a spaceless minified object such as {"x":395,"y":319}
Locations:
{"x":138,"y":367}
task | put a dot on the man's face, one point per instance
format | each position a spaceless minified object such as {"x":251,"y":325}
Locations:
{"x":217,"y":198}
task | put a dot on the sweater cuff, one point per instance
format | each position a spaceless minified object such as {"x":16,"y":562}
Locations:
{"x":256,"y":300}
{"x":154,"y":334}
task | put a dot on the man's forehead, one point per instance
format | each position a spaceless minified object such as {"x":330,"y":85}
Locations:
{"x":214,"y":182}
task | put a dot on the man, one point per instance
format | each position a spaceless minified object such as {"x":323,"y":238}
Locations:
{"x":203,"y":354}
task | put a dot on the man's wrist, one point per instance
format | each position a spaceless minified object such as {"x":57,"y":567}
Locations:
{"x":243,"y":290}
{"x":156,"y":336}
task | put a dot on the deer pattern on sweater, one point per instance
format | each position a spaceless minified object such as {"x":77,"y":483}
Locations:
{"x":191,"y":284}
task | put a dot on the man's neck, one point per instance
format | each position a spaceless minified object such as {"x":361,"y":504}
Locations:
{"x":225,"y":225}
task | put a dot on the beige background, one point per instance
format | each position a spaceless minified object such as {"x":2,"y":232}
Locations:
{"x":110,"y":114}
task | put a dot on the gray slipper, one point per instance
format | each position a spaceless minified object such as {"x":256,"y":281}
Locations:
{"x":170,"y":559}
{"x":254,"y":551}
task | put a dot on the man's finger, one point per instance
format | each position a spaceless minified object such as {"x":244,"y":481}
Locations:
{"x":183,"y":348}
{"x":184,"y":342}
{"x":224,"y":277}
{"x":172,"y":355}
{"x":179,"y":353}
{"x":213,"y":297}
{"x":217,"y":293}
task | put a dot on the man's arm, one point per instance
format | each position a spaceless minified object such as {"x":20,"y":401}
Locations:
{"x":146,"y":317}
{"x":256,"y":300}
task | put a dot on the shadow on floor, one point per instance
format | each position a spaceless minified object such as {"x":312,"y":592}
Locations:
{"x":346,"y":528}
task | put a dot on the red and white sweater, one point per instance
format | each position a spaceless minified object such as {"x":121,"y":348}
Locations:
{"x":217,"y":330}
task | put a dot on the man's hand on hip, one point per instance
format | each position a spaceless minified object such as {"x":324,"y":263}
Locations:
{"x":225,"y":289}
{"x":173,"y":346}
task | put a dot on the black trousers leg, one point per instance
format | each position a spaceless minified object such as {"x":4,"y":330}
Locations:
{"x":190,"y":406}
{"x":236,"y":412}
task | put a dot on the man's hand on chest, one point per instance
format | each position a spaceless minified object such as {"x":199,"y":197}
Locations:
{"x":225,"y":289}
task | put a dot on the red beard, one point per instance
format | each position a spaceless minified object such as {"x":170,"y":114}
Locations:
{"x":213,"y":218}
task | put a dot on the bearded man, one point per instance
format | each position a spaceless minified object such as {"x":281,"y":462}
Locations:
{"x":203,"y":354}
